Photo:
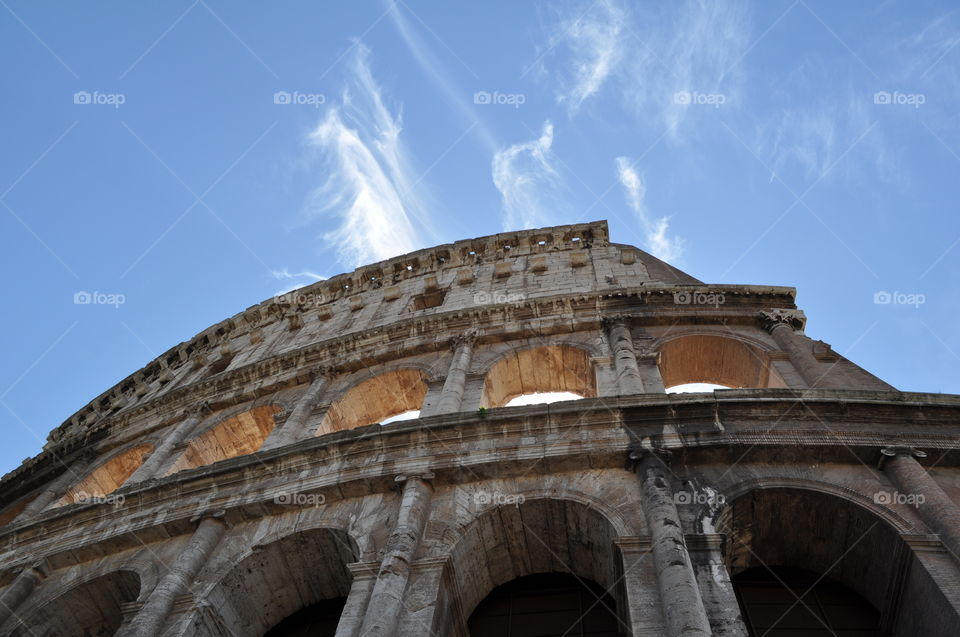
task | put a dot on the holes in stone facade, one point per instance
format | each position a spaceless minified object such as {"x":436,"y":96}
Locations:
{"x":428,"y":300}
{"x":106,"y":478}
{"x":236,"y":436}
{"x":376,"y":400}
{"x":549,"y":369}
{"x":717,"y":360}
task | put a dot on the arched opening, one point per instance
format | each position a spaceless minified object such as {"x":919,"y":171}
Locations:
{"x":562,"y":538}
{"x":295,"y":586}
{"x":546,"y":605}
{"x":13,"y":510}
{"x":797,"y":532}
{"x":549,"y":369}
{"x":542,"y":398}
{"x":236,"y":436}
{"x":92,"y":609}
{"x":377,"y":400}
{"x":695,"y":388}
{"x":782,"y":601}
{"x":717,"y":360}
{"x":106,"y":478}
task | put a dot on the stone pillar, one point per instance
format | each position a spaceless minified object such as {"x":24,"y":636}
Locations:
{"x":679,"y":594}
{"x":629,"y":380}
{"x":383,"y":611}
{"x":719,"y":600}
{"x":643,"y":612}
{"x":54,"y":490}
{"x":19,"y":590}
{"x":938,"y":511}
{"x":364,"y":577}
{"x":151,"y":620}
{"x":783,"y":326}
{"x":161,"y":455}
{"x":432,"y":603}
{"x":452,"y":396}
{"x":293,"y":429}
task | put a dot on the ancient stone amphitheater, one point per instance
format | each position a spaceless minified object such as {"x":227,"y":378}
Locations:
{"x":241,"y":484}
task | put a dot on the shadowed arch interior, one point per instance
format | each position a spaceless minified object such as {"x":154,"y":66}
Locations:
{"x":784,"y":528}
{"x":108,"y":477}
{"x":92,"y":609}
{"x":535,"y":536}
{"x":375,"y":400}
{"x":236,"y":436}
{"x":280,"y":579}
{"x":553,"y":368}
{"x":719,"y":360}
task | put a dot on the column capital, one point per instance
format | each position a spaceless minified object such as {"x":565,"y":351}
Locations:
{"x":609,"y":321}
{"x":324,"y":371}
{"x":771,"y":319}
{"x":892,"y":451}
{"x":636,"y":457}
{"x":468,"y":338}
{"x":218,"y":515}
{"x":423,"y":476}
{"x":196,"y":410}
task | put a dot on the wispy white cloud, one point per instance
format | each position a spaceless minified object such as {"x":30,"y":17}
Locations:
{"x":296,"y":279}
{"x":368,"y":189}
{"x":527,"y":180}
{"x":655,"y":230}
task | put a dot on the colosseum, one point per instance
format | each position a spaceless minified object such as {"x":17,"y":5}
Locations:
{"x":350,"y":459}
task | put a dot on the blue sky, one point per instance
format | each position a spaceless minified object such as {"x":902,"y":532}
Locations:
{"x":191,"y":159}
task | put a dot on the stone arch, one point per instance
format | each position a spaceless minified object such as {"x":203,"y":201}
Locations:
{"x":557,"y":367}
{"x":375,"y":399}
{"x":790,"y":527}
{"x":93,"y":607}
{"x":107,"y":477}
{"x":238,"y":435}
{"x":273,"y":580}
{"x":721,"y":359}
{"x":530,"y":536}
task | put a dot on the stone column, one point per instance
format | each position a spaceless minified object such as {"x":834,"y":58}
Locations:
{"x":451,"y":398}
{"x":783,"y":326}
{"x":679,"y":594}
{"x":151,"y":620}
{"x":364,"y":577}
{"x":383,"y":611}
{"x":19,"y":590}
{"x":292,"y":429}
{"x":54,"y":490}
{"x":161,"y":455}
{"x":719,"y":600}
{"x":629,"y":380}
{"x":938,"y":511}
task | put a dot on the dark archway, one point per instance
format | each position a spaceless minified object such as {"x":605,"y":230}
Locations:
{"x":784,"y":602}
{"x":316,"y":620}
{"x":547,"y":605}
{"x":92,"y":609}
